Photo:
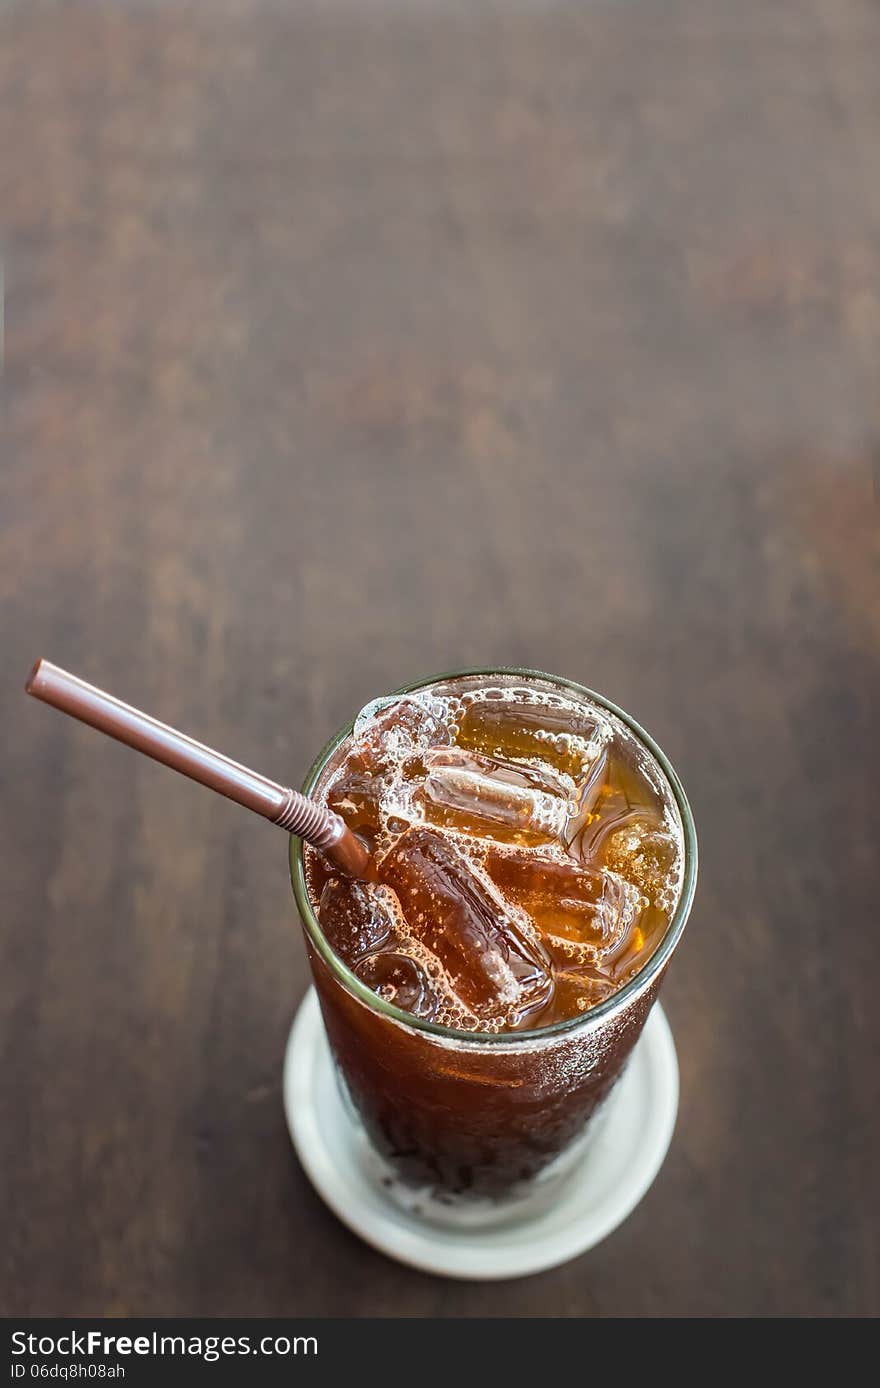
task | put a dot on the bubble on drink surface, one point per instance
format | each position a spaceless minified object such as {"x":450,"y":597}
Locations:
{"x":378,"y":805}
{"x":388,"y":731}
{"x":647,"y":856}
{"x":363,"y":723}
{"x":524,"y":723}
{"x":396,"y":824}
{"x":402,"y":980}
{"x":357,"y":917}
{"x":487,"y":947}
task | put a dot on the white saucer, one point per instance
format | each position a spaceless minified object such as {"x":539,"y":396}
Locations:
{"x":625,"y":1151}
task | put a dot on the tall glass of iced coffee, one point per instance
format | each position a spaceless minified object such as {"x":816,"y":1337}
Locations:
{"x":534,"y":865}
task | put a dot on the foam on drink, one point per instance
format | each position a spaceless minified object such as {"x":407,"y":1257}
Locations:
{"x":528,"y":853}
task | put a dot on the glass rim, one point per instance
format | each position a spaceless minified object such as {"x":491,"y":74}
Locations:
{"x":650,"y":970}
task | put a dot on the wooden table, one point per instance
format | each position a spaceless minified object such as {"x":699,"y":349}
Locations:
{"x":346,"y":343}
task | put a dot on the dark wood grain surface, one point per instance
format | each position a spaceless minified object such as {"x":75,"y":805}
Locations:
{"x":346,"y":343}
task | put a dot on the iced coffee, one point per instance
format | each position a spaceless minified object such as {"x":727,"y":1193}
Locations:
{"x":529,"y":860}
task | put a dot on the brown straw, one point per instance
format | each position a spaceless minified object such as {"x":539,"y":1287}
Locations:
{"x":315,"y":823}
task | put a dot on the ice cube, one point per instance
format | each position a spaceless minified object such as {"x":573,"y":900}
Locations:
{"x":504,"y":726}
{"x":489,"y":949}
{"x":591,"y":786}
{"x":579,"y":987}
{"x":587,"y":796}
{"x":357,"y":917}
{"x":391,"y":732}
{"x":604,"y":807}
{"x":483,"y":791}
{"x":534,"y":775}
{"x":567,"y":900}
{"x":357,"y":796}
{"x":400,"y":979}
{"x":374,"y":803}
{"x":647,"y":855}
{"x":619,"y":795}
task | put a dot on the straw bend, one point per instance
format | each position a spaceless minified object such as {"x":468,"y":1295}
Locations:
{"x":309,"y":820}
